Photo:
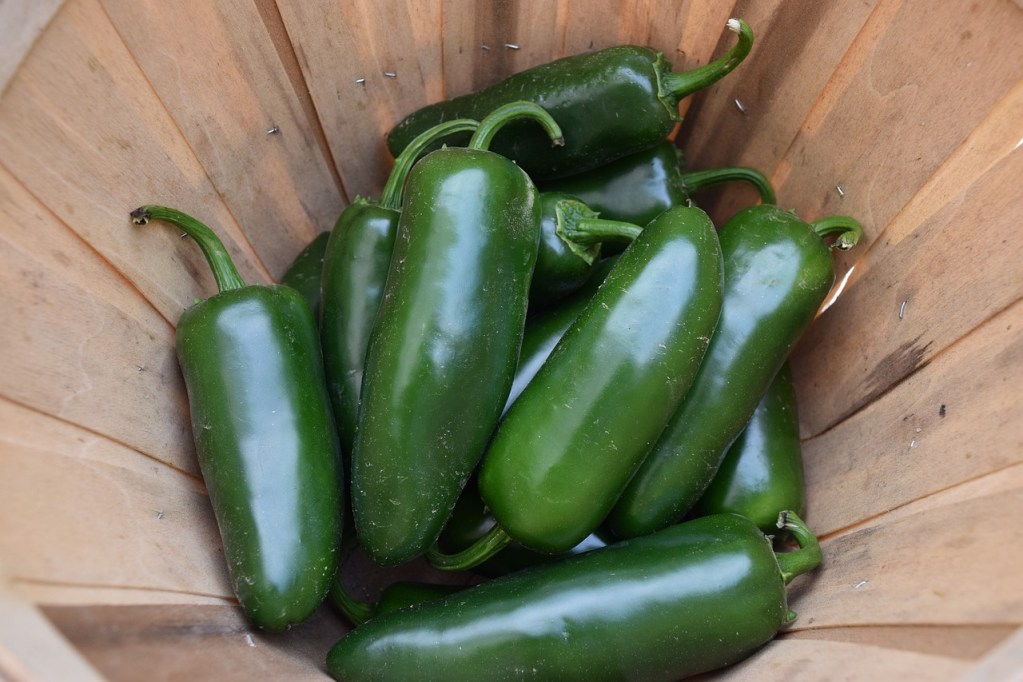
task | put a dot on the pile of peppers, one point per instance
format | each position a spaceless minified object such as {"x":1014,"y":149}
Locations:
{"x":533,"y":357}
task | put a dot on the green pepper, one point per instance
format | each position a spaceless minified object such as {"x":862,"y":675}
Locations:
{"x":355,"y":265}
{"x":611,"y":102}
{"x":264,"y":435}
{"x":303,"y":274}
{"x":570,"y":244}
{"x":470,"y":521}
{"x":395,"y":596}
{"x":686,"y":600}
{"x":778,"y":270}
{"x":762,"y":473}
{"x":444,"y":344}
{"x":641,"y":186}
{"x":577,"y":433}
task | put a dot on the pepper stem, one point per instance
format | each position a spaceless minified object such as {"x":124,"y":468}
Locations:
{"x":848,"y":229}
{"x":475,"y":554}
{"x":357,"y":612}
{"x":390,"y":198}
{"x":581,"y":227}
{"x":496,"y":119}
{"x":697,"y":180}
{"x":676,"y":86}
{"x":224,"y":271}
{"x":804,"y":559}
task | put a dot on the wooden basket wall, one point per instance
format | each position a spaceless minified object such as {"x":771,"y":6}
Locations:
{"x":265,"y":118}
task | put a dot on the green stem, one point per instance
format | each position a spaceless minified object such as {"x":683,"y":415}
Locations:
{"x":581,"y":227}
{"x":676,"y":86}
{"x":804,"y":559}
{"x":357,"y":612}
{"x":697,"y":180}
{"x":848,"y":229}
{"x":475,"y":554}
{"x":390,"y":198}
{"x":500,"y":116}
{"x":216,"y":253}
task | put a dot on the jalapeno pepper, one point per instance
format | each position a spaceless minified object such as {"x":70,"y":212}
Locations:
{"x":612,"y":103}
{"x":444,"y":344}
{"x":570,"y":245}
{"x":641,"y":186}
{"x":264,"y":435}
{"x":762,"y":473}
{"x":778,"y":270}
{"x":303,"y":274}
{"x":393,"y":597}
{"x":686,"y":600}
{"x":355,"y":265}
{"x":577,"y":433}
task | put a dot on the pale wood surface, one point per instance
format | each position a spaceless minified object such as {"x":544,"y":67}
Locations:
{"x":910,"y":412}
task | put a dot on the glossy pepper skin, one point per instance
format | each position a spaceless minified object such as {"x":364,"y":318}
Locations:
{"x":639,"y":187}
{"x":303,"y":274}
{"x":355,"y":264}
{"x":445,"y":341}
{"x":570,"y":442}
{"x":762,"y":473}
{"x":778,"y":270}
{"x":688,"y":599}
{"x":264,"y":436}
{"x":611,"y":103}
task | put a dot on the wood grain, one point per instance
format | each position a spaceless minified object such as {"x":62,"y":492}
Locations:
{"x":85,"y":519}
{"x":225,"y":88}
{"x":81,"y":343}
{"x":21,"y":23}
{"x":82,"y":129}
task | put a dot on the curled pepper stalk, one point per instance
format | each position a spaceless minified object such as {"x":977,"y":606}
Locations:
{"x":492,"y":124}
{"x":697,"y":180}
{"x":848,"y":229}
{"x":804,"y":559}
{"x":675,"y":86}
{"x":583,"y":230}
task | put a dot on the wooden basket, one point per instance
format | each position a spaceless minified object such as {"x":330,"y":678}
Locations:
{"x":265,"y":118}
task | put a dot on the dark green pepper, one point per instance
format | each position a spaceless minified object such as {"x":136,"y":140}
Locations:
{"x":354,"y":270}
{"x":688,"y":599}
{"x":577,"y":433}
{"x":445,"y":341}
{"x":762,"y":474}
{"x":612,"y":103}
{"x":778,"y":270}
{"x":570,"y":243}
{"x":303,"y":274}
{"x":470,"y":521}
{"x":641,"y":186}
{"x":393,"y":597}
{"x":264,"y":435}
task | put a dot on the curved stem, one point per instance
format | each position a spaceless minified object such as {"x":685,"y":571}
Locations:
{"x":804,"y":559}
{"x":357,"y":612}
{"x":697,"y":180}
{"x":391,"y":196}
{"x":848,"y":229}
{"x":475,"y":554}
{"x":675,"y":86}
{"x":224,"y":271}
{"x":496,"y":119}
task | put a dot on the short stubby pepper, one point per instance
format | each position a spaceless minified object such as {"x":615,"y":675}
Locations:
{"x":613,"y":102}
{"x":570,"y":442}
{"x":355,"y":265}
{"x":264,"y":435}
{"x":778,"y":270}
{"x":445,"y":340}
{"x":688,"y":599}
{"x":571,"y":236}
{"x":639,"y":187}
{"x":762,"y":473}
